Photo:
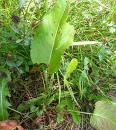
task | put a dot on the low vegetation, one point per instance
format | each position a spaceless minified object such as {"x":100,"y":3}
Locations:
{"x":57,"y":64}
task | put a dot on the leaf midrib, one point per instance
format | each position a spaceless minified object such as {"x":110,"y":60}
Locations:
{"x":54,"y":41}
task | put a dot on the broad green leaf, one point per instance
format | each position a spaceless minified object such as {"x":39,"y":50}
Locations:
{"x":52,"y":37}
{"x":104,"y":116}
{"x":71,"y":67}
{"x":3,"y":101}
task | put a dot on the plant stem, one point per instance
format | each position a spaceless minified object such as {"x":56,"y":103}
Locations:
{"x":59,"y":85}
{"x":15,"y":111}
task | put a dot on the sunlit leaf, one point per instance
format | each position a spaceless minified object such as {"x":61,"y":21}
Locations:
{"x":71,"y":67}
{"x":52,"y":37}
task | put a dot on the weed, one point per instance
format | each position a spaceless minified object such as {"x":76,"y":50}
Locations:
{"x":50,"y":90}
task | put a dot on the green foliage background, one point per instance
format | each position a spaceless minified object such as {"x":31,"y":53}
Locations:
{"x":92,"y":80}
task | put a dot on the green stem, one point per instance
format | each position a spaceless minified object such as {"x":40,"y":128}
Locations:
{"x":59,"y":85}
{"x":15,"y":111}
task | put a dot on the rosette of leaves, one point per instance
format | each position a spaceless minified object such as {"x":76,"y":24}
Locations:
{"x":52,"y":37}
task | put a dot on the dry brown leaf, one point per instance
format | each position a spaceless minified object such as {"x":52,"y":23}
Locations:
{"x":10,"y":125}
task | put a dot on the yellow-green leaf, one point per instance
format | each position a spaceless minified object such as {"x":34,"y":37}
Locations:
{"x":52,"y":37}
{"x":71,"y":67}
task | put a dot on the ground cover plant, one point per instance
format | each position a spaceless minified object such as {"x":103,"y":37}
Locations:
{"x":57,"y":64}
